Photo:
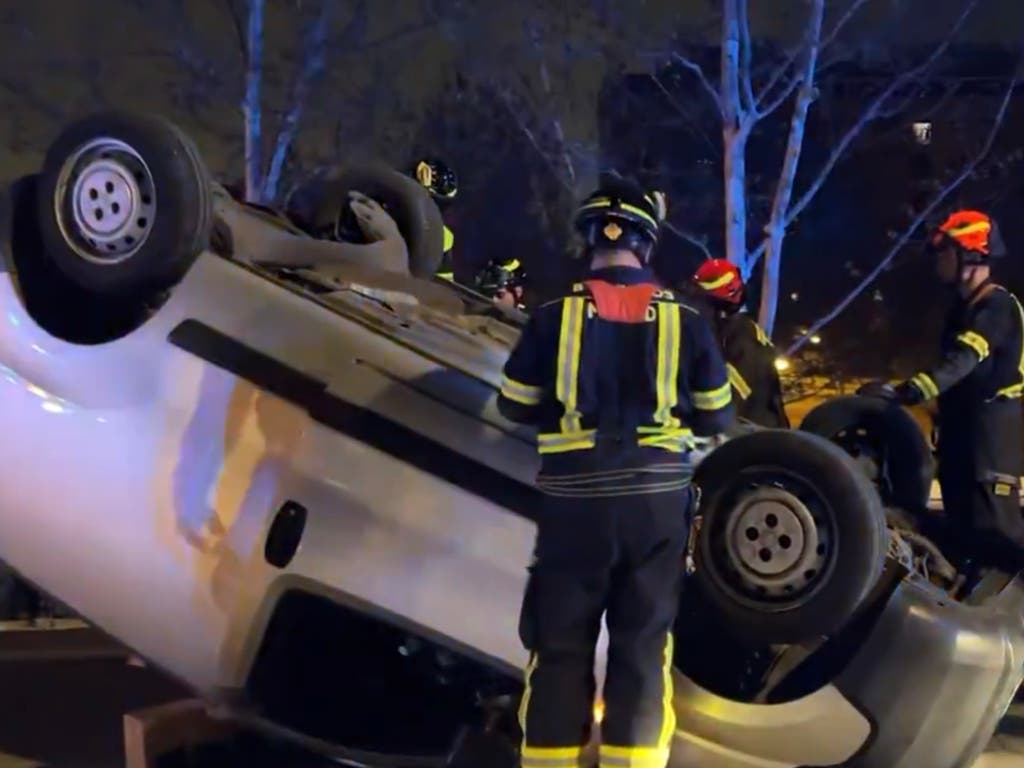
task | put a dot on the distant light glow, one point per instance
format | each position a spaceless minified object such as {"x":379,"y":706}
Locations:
{"x":781,"y":364}
{"x":923,"y":133}
{"x":598,"y":711}
{"x":52,"y":407}
{"x":794,"y":296}
{"x":815,"y":339}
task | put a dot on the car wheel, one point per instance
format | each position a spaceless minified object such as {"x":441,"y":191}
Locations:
{"x":124,"y":204}
{"x":318,"y":205}
{"x":885,"y":441}
{"x":792,"y":536}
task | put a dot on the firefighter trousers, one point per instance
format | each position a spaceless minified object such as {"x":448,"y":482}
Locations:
{"x":621,"y":557}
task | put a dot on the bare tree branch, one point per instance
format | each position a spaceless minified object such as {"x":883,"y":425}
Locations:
{"x":689,"y":237}
{"x":874,"y":110}
{"x":236,"y":25}
{"x":701,"y":76}
{"x":935,"y":202}
{"x":746,"y":85}
{"x":783,"y":94}
{"x":674,"y":102}
{"x":841,"y":22}
{"x":515,"y":114}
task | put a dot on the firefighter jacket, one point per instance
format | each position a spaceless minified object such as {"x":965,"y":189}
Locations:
{"x":446,"y":269}
{"x":978,"y":382}
{"x":750,"y":360}
{"x":618,"y":377}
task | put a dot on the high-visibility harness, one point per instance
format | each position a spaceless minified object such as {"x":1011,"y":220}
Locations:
{"x":665,"y":430}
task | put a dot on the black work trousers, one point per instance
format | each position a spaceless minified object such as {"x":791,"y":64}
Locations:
{"x":621,"y":557}
{"x":980,"y":463}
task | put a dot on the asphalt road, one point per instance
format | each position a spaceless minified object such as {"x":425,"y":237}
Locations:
{"x":62,"y":698}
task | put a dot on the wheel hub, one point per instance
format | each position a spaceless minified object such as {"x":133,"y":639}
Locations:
{"x":105,"y":201}
{"x":773,"y":542}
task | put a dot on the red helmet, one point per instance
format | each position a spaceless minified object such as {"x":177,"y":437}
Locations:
{"x":973,"y":232}
{"x":721,"y":279}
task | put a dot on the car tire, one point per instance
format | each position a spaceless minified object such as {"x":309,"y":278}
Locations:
{"x":792,"y":536}
{"x":124,"y":204}
{"x":316,"y":205}
{"x":888,"y":437}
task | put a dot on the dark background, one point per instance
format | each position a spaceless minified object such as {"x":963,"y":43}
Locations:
{"x":506,"y":93}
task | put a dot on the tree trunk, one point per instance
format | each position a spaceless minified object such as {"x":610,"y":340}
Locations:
{"x":776,"y":229}
{"x":252,"y":105}
{"x":735,"y":146}
{"x":770,"y":279}
{"x":312,"y":68}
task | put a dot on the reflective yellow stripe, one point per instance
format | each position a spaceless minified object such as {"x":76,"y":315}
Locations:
{"x":737,"y":381}
{"x":718,"y":282}
{"x":967,"y":229}
{"x":926,"y":384}
{"x":551,"y":757}
{"x":762,"y":337}
{"x":668,"y":725}
{"x":667,"y":373}
{"x":714,"y":399}
{"x":524,"y":702}
{"x":449,"y":239}
{"x":675,"y":440}
{"x":512,"y":265}
{"x":450,"y":276}
{"x":1015,"y":390}
{"x":561,"y":442}
{"x":519,"y":392}
{"x":633,"y":757}
{"x":569,"y":343}
{"x":975,"y":341}
{"x":604,"y":202}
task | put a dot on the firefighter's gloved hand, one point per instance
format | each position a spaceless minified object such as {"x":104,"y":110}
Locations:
{"x":880,"y":389}
{"x":908,"y":394}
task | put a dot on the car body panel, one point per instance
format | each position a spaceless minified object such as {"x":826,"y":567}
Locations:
{"x":145,"y":474}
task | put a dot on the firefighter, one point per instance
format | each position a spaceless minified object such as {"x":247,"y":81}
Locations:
{"x":504,"y":282}
{"x":978,"y":383}
{"x":442,"y":183}
{"x":749,"y":353}
{"x":617,"y":376}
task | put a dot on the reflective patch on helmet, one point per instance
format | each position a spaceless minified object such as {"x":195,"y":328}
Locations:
{"x":612,"y":231}
{"x":424,"y":173}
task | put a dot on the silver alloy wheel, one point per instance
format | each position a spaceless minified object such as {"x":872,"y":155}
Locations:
{"x":105,"y":201}
{"x":773,"y":542}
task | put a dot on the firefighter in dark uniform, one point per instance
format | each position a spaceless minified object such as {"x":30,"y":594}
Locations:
{"x":443,"y":185}
{"x":749,"y":353}
{"x":978,"y":383}
{"x":504,"y":282}
{"x":617,"y":376}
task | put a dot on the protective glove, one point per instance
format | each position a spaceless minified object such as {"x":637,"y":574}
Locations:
{"x":908,"y":394}
{"x":880,"y":389}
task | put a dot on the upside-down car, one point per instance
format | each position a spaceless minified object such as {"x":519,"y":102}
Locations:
{"x":270,"y":463}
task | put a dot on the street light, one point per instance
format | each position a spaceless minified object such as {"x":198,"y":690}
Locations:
{"x":781,"y":364}
{"x":815,"y":339}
